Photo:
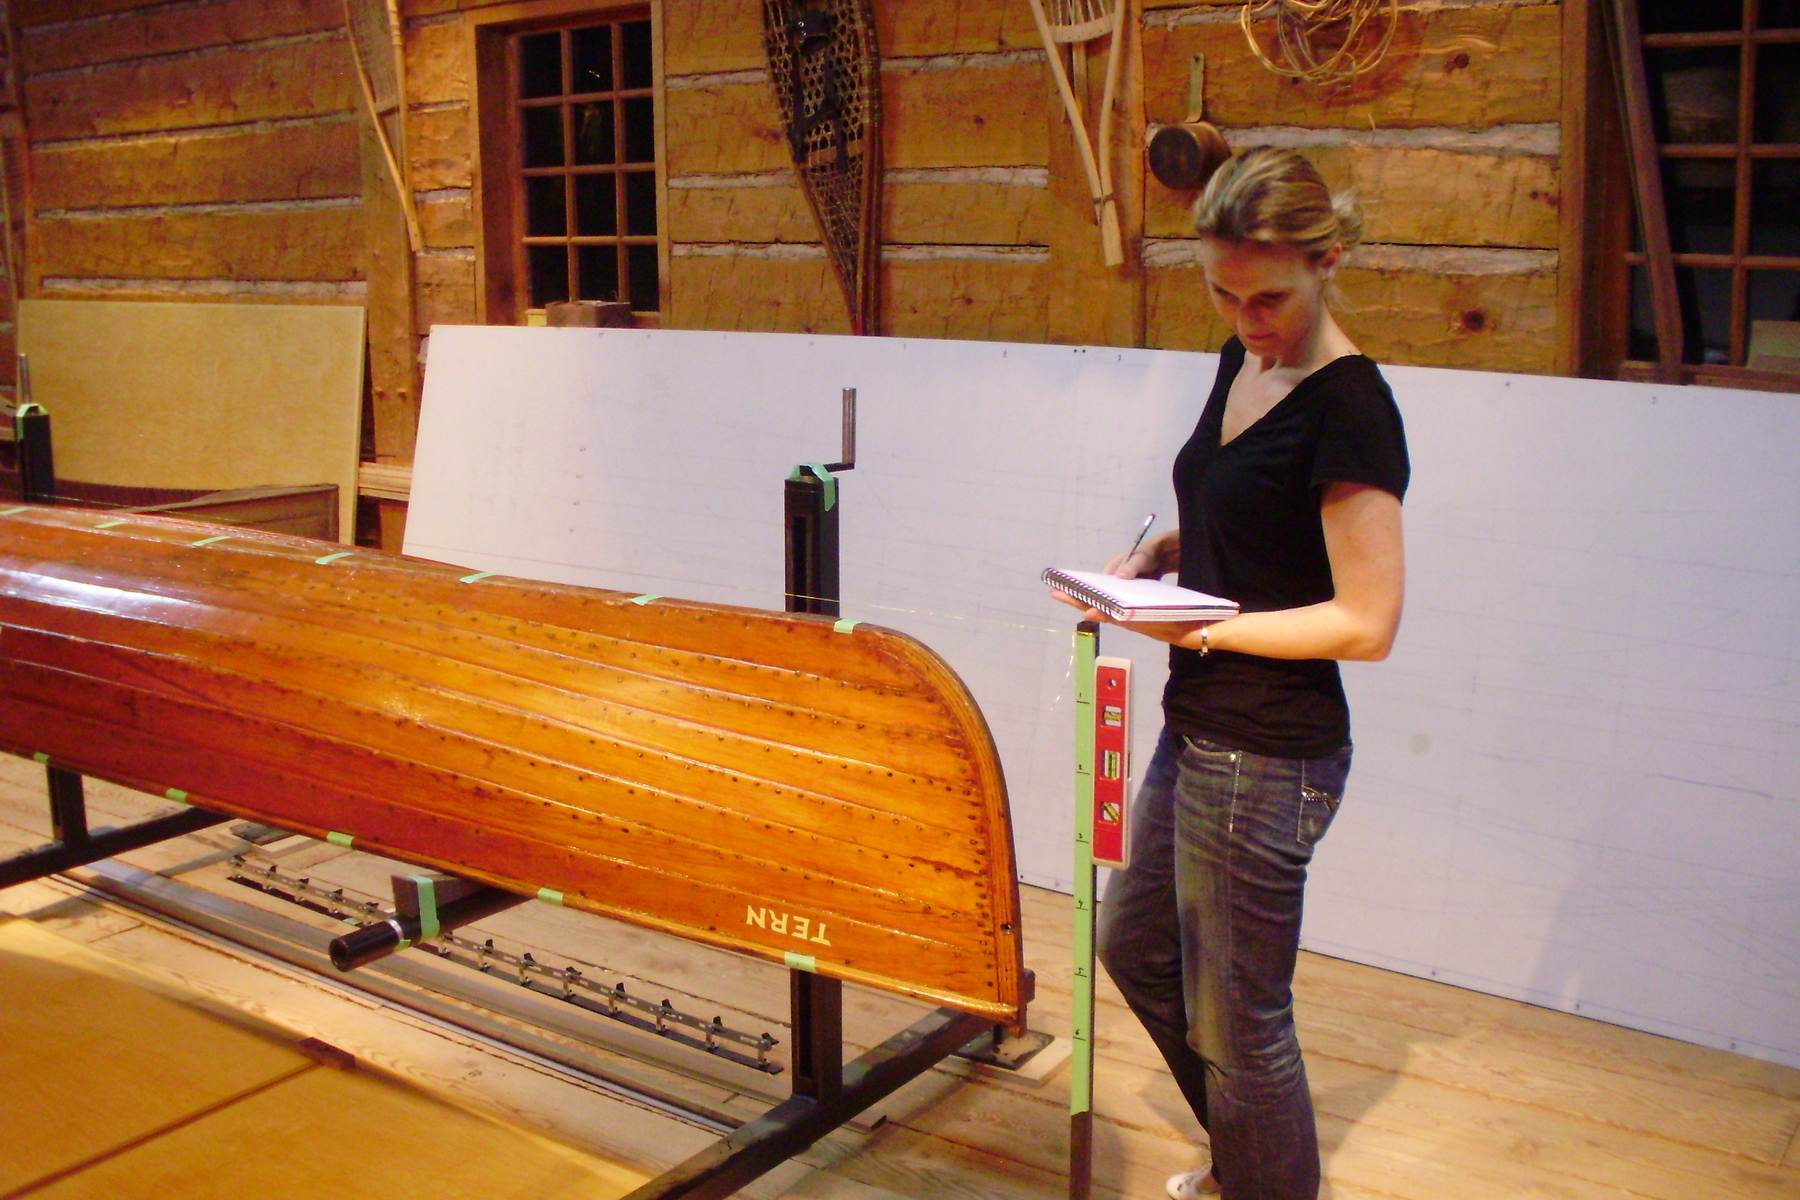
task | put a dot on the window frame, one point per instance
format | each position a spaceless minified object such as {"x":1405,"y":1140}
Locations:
{"x":1605,"y":256}
{"x":502,"y":279}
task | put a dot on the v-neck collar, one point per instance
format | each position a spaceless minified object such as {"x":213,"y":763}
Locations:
{"x":1224,"y":395}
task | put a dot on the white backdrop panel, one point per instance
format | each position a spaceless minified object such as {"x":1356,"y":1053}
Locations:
{"x":1575,"y":778}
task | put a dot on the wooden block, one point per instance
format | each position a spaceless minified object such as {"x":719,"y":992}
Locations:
{"x":200,"y":395}
{"x":441,"y":147}
{"x":972,"y":116}
{"x":266,"y":83}
{"x":724,"y":128}
{"x":758,"y":213}
{"x":437,"y":64}
{"x":78,"y":1041}
{"x":295,"y":244}
{"x":970,"y":27}
{"x":1472,"y":66}
{"x":745,"y":292}
{"x":289,"y":162}
{"x":447,"y":221}
{"x":919,"y":211}
{"x":927,"y":212}
{"x":703,"y":37}
{"x":1001,"y":299}
{"x":445,"y":286}
{"x":173,"y":30}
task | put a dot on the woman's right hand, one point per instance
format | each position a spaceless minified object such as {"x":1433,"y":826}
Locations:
{"x":1155,"y":558}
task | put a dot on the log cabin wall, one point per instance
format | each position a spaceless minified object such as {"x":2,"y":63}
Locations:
{"x":210,"y":148}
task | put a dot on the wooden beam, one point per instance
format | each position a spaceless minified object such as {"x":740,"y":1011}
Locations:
{"x":283,"y":162}
{"x":1463,"y":65}
{"x":231,"y":86}
{"x":1625,"y":40}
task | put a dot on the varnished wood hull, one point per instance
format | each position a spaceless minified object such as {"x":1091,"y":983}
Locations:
{"x":778,"y":784}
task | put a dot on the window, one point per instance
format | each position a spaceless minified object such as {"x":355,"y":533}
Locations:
{"x":570,"y":195}
{"x":1725,"y":127}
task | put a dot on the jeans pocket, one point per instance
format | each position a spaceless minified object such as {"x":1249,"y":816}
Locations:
{"x":1321,"y":792}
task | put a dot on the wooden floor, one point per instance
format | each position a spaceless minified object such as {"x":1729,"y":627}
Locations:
{"x":1424,"y":1092}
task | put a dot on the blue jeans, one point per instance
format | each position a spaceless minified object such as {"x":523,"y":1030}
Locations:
{"x":1201,"y":933}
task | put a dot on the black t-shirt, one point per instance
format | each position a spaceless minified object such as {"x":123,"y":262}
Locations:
{"x":1250,"y":531}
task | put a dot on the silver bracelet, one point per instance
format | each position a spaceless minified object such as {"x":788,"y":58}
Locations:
{"x":1204,"y":648}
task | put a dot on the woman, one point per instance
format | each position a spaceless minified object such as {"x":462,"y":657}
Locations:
{"x":1289,"y":494}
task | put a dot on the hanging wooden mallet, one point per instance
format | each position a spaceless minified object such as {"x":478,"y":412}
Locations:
{"x":1073,"y":22}
{"x":1184,"y":156}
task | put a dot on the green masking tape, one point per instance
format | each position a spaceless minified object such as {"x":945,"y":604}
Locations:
{"x":41,"y":757}
{"x":800,"y":962}
{"x":428,"y":917}
{"x":331,"y":558}
{"x":846,"y":625}
{"x":29,"y":409}
{"x":645,"y":599}
{"x":550,"y":896}
{"x":17,"y":508}
{"x":209,"y":541}
{"x":818,"y":471}
{"x":340,"y":839}
{"x":111,"y":523}
{"x":477,"y":577}
{"x":176,"y":794}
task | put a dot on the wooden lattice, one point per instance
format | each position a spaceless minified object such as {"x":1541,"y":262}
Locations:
{"x":824,"y":67}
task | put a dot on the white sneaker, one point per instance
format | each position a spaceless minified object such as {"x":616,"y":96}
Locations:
{"x":1190,"y":1185}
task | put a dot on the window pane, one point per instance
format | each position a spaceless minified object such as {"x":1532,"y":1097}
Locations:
{"x":549,"y":274}
{"x":640,"y":131}
{"x":1777,"y":95}
{"x":594,"y":133}
{"x":1694,"y":93}
{"x":1779,"y":14}
{"x":1705,"y":313}
{"x":596,"y":207}
{"x":1775,"y":207}
{"x":546,"y":209}
{"x":1691,"y":16}
{"x":1705,"y":298}
{"x":599,"y":266}
{"x":1641,"y":343}
{"x":642,"y":263}
{"x":543,"y":136}
{"x":636,"y":44}
{"x":1700,"y":204}
{"x":640,"y":203}
{"x":540,"y":65}
{"x":591,"y":51}
{"x":1775,"y":295}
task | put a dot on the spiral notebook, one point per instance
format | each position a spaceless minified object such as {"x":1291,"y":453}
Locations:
{"x":1138,"y":599}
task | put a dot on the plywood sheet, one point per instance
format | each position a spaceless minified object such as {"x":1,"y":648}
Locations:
{"x":80,"y":1038}
{"x":200,"y":395}
{"x":344,"y":1134}
{"x":1587,"y":723}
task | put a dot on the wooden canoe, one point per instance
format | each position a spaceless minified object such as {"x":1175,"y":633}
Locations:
{"x":823,"y":795}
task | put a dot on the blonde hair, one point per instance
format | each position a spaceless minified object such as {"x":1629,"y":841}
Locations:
{"x":1277,"y":197}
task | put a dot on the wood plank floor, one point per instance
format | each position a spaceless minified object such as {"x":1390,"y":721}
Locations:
{"x":1424,"y":1091}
